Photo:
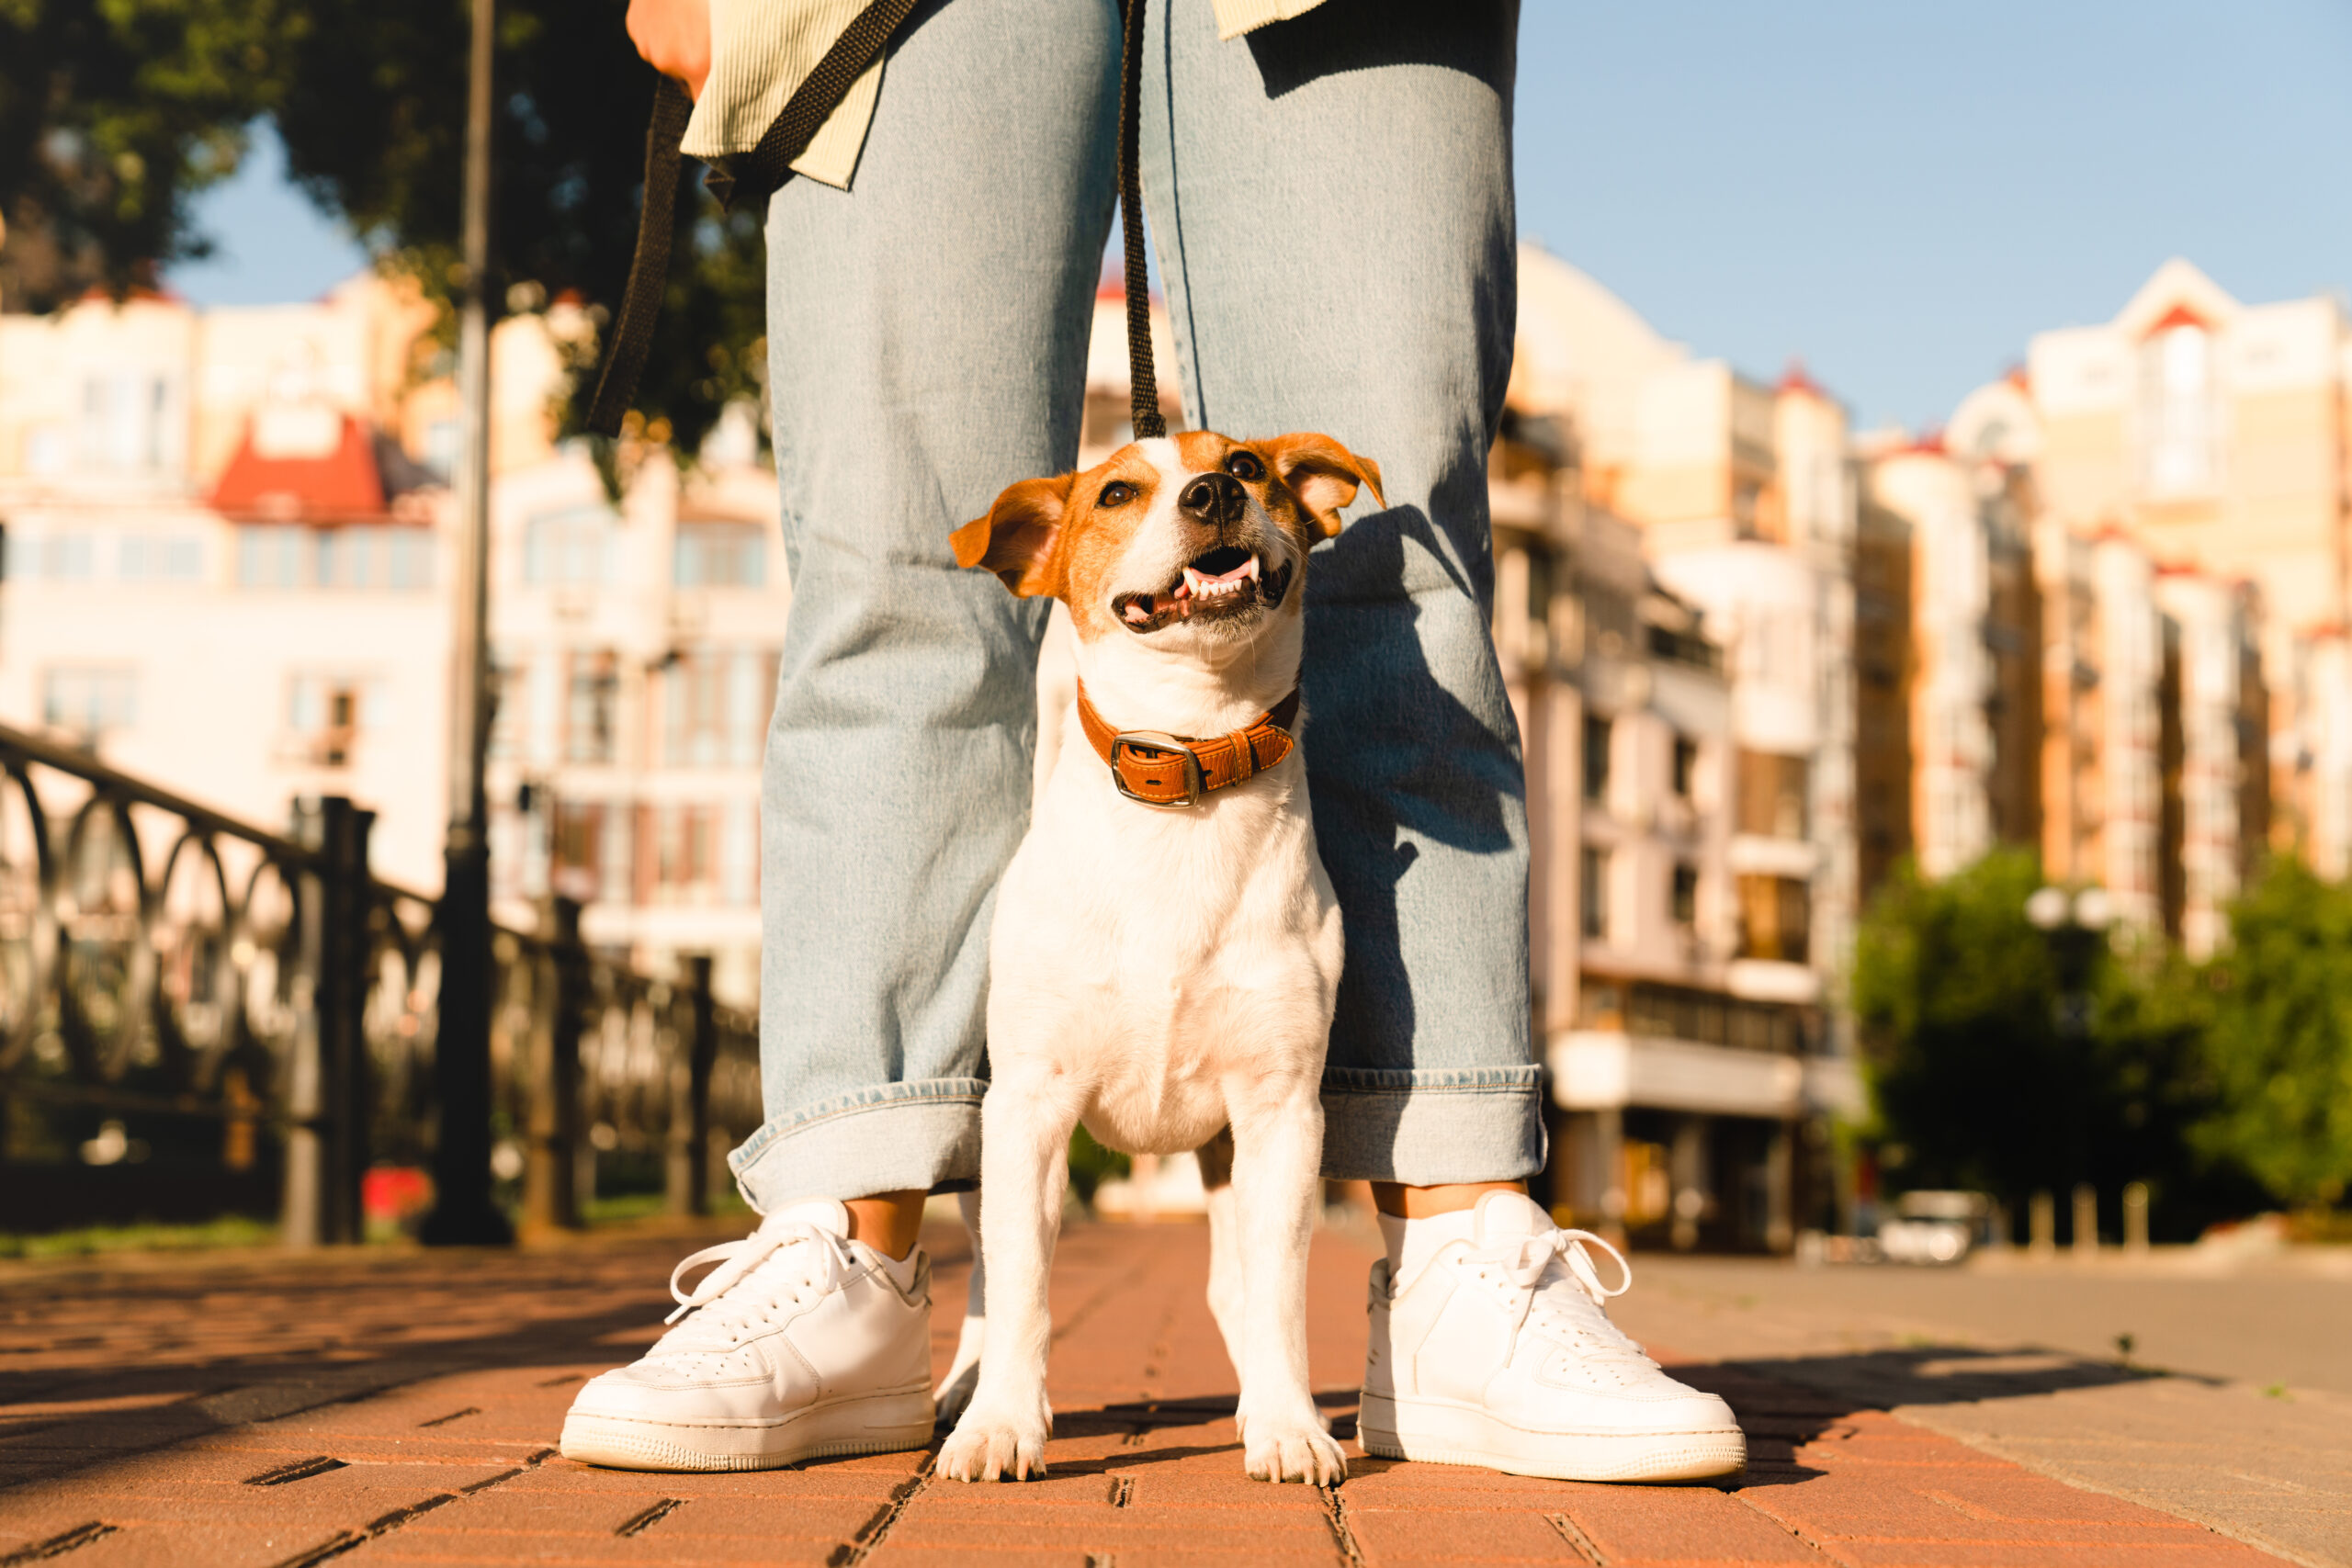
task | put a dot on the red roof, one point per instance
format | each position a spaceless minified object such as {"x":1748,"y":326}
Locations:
{"x":1795,"y":379}
{"x":342,"y":485}
{"x":2179,"y":316}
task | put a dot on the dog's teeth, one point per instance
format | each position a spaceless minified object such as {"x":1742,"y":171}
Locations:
{"x":1195,"y":581}
{"x":1249,"y":571}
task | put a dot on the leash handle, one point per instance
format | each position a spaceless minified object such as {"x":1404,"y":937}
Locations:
{"x":754,"y":176}
{"x":649,"y":268}
{"x":1142,"y":380}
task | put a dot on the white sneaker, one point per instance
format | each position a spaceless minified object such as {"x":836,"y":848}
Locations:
{"x":801,"y":1342}
{"x":1497,"y":1353}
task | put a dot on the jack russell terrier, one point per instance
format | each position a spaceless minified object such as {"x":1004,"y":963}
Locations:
{"x":1166,"y":947}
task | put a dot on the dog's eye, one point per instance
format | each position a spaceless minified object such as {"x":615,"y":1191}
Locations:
{"x":1244,"y":466}
{"x":1118,"y":493}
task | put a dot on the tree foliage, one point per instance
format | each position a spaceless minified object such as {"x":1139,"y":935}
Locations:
{"x":1992,"y":1069}
{"x":2278,"y":1020}
{"x":372,"y":107}
{"x":113,"y":113}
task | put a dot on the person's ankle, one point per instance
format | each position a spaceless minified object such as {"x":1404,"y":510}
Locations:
{"x":1396,"y":1199}
{"x":890,"y":1222}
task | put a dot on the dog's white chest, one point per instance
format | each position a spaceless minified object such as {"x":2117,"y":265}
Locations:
{"x":1163,"y":963}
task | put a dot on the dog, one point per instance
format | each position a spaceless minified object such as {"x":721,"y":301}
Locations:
{"x":1166,"y":945}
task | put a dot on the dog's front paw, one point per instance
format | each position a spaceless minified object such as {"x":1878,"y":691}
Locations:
{"x":987,"y":1446}
{"x":1275,"y":1450}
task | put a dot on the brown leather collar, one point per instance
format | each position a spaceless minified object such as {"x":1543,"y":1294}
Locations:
{"x":1174,"y":771}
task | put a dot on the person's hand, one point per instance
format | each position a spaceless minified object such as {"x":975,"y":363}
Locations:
{"x":674,"y":38}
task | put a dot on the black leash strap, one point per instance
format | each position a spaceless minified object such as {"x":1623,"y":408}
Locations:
{"x":1143,"y":381}
{"x":648,"y":269}
{"x":754,"y":176}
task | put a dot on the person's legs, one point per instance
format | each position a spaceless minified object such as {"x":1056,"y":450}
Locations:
{"x":927,"y":333}
{"x":1334,"y":213}
{"x":1331,"y":200}
{"x":927,"y":336}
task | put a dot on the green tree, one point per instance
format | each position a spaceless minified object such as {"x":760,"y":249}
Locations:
{"x":1956,"y":996}
{"x":2279,"y":1037}
{"x":113,"y":114}
{"x":371,"y":102}
{"x":1987,"y":1076}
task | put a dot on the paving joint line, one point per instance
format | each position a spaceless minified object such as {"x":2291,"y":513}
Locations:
{"x":1343,"y":1535}
{"x":876,"y":1531}
{"x":58,"y":1545}
{"x":296,"y":1470}
{"x":646,"y":1519}
{"x":350,"y":1540}
{"x":1578,"y":1543}
{"x":453,"y":1416}
{"x":1822,"y":1547}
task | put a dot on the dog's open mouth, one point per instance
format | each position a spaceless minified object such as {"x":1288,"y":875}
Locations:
{"x":1220,"y":584}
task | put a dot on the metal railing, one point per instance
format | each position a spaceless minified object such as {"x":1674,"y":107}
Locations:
{"x":198,"y":1016}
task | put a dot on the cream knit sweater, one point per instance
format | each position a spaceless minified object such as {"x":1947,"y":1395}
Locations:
{"x":763,"y":50}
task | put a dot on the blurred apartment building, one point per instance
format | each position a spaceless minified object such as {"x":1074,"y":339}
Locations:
{"x":1674,"y":594}
{"x":227,"y":545}
{"x":2127,"y":562}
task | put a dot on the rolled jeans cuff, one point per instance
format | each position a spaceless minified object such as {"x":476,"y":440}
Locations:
{"x":1428,"y":1128}
{"x":890,"y":1138}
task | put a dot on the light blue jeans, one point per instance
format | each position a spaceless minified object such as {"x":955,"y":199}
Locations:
{"x":1331,"y":204}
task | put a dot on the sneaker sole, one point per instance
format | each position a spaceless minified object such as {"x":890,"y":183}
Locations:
{"x":871,"y":1424}
{"x":1442,"y":1433}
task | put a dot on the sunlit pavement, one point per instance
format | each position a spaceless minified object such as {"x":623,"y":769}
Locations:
{"x":277,"y":1411}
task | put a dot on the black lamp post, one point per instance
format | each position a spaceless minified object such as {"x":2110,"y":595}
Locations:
{"x":462,"y":1213}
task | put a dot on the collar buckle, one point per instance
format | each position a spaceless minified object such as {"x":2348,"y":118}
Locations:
{"x":1158,"y":741}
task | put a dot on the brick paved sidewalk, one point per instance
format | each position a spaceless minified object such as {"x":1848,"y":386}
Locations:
{"x":401,"y":1407}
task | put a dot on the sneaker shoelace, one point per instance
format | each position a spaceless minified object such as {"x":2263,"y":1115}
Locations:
{"x":1565,"y":1300}
{"x":722,"y":1313}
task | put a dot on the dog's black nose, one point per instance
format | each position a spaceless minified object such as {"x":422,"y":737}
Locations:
{"x":1214,"y":499}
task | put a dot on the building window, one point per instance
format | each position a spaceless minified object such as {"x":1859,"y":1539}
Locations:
{"x":591,"y":707}
{"x":1596,"y":757}
{"x":715,"y":707}
{"x":125,"y":423}
{"x":569,"y":548}
{"x":325,"y":714}
{"x":710,"y":553}
{"x":509,"y":717}
{"x":1686,"y":766}
{"x":1684,"y":897}
{"x":155,"y":558}
{"x":1775,"y":919}
{"x":1771,"y":796}
{"x":1592,"y":893}
{"x":580,"y":851}
{"x":678,"y":859}
{"x":2178,"y":420}
{"x":369,"y":557}
{"x":58,"y":558}
{"x":89,"y":703}
{"x":1686,"y":1013}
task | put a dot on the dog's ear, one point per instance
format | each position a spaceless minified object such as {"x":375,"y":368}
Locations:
{"x":1020,"y":538}
{"x":1323,"y":475}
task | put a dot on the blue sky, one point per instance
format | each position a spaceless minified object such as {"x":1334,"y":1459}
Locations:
{"x":1900,"y":194}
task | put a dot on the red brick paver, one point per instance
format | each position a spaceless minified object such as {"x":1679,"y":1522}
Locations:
{"x":401,"y":1407}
